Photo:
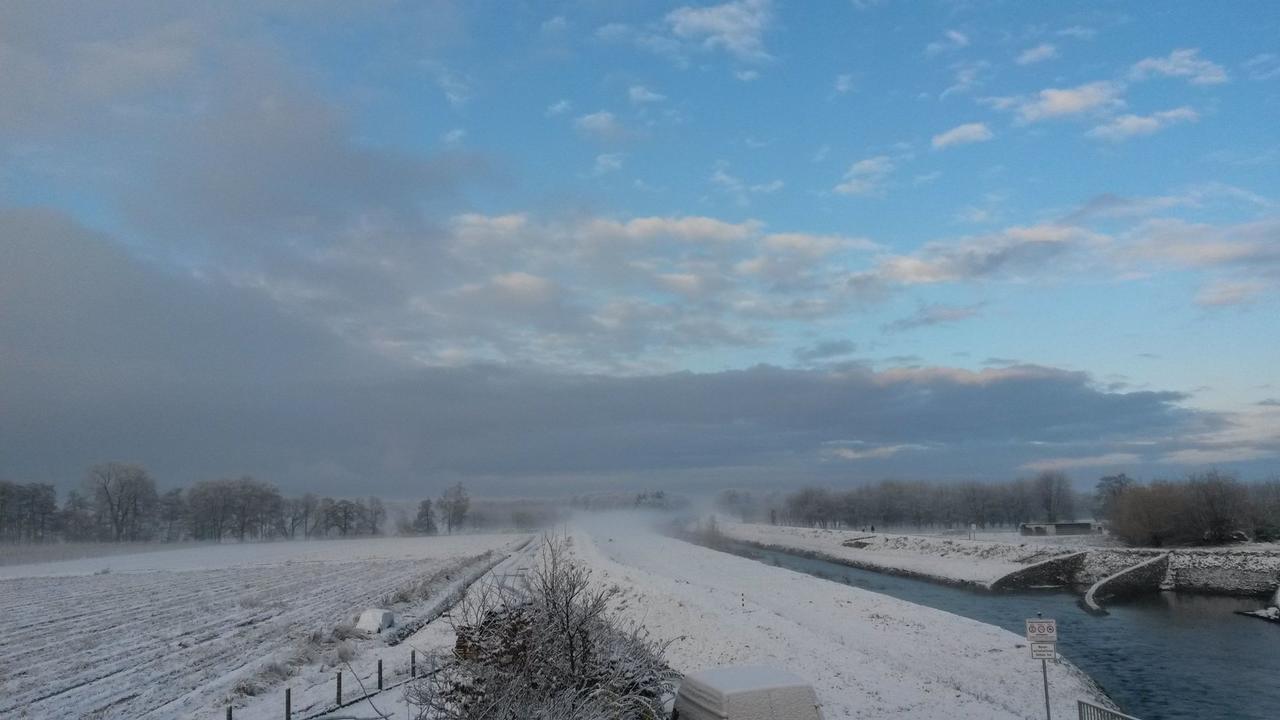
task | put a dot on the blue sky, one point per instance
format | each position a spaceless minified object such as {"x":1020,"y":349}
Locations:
{"x":1078,"y":201}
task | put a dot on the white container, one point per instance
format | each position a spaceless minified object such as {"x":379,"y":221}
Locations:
{"x":375,"y":620}
{"x":749,"y":692}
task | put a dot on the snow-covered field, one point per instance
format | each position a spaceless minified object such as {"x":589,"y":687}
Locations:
{"x":171,"y":634}
{"x":868,"y":655}
{"x":948,"y":559}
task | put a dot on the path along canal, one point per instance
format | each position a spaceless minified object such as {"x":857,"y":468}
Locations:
{"x":1165,"y":656}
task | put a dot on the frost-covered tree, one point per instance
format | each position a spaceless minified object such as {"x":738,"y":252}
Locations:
{"x":546,"y":648}
{"x":425,"y":522}
{"x":454,"y":504}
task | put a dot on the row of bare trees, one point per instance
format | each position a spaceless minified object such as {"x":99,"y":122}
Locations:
{"x":119,"y":502}
{"x":1209,"y":507}
{"x":918,"y":504}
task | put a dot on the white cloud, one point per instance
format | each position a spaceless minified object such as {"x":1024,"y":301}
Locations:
{"x":602,"y":125}
{"x":951,"y":40}
{"x":1127,"y":126}
{"x":968,"y":76}
{"x":735,"y":27}
{"x":640,"y":94}
{"x":559,"y":107}
{"x":740,"y":190}
{"x":1185,"y":63}
{"x":747,"y":75}
{"x":867,"y":176}
{"x":1071,"y":463}
{"x":1079,"y":32}
{"x":1063,"y":102}
{"x":689,"y":228}
{"x":843,"y":84}
{"x":607,"y":163}
{"x":1263,"y":66}
{"x":1017,"y":248}
{"x":1039,"y":53}
{"x":962,"y":134}
{"x":454,"y":136}
{"x":877,"y":453}
{"x":1224,"y":293}
{"x":455,"y":86}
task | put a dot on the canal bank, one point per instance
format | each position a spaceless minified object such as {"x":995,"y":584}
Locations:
{"x":1246,"y":571}
{"x":1162,"y":655}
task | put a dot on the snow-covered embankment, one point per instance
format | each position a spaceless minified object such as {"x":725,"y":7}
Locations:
{"x":868,"y":655}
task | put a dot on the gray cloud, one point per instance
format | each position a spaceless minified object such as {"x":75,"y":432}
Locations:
{"x":825,"y":350}
{"x":196,"y":377}
{"x":930,"y":315}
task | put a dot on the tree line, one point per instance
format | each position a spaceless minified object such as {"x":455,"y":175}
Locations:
{"x":912,"y":503}
{"x":1209,"y":507}
{"x":120,"y":502}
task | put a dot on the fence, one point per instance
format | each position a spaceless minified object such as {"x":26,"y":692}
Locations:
{"x":1089,"y":711}
{"x":339,"y":699}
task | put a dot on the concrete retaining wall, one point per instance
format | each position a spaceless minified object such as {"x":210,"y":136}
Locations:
{"x":1238,"y":572}
{"x":1057,"y":571}
{"x":1146,"y":576}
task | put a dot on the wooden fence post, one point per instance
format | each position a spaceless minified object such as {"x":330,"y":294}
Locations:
{"x":339,"y":687}
{"x":413,"y":664}
{"x":288,"y":703}
{"x":228,"y":712}
{"x":379,"y":673}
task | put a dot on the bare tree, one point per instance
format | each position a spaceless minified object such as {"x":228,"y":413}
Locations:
{"x":425,"y":522}
{"x":125,"y":495}
{"x":454,"y":504}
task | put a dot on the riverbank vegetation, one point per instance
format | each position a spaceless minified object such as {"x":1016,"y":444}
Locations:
{"x":1205,"y":508}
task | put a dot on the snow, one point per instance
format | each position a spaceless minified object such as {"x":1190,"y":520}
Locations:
{"x":867,"y":655}
{"x":237,"y":555}
{"x":172,"y":634}
{"x":952,"y":560}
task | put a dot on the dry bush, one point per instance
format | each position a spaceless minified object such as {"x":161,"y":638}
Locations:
{"x":544,"y":648}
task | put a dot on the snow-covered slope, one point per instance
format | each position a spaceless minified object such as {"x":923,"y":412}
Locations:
{"x":950,"y":560}
{"x":868,"y":655}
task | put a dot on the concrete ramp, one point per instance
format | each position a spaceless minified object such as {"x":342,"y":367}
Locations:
{"x":1145,"y":576}
{"x":1060,"y":570}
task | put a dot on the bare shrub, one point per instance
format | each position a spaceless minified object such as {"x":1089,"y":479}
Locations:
{"x":345,"y":631}
{"x":544,"y":648}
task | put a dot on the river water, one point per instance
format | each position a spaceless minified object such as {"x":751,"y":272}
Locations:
{"x":1165,"y":656}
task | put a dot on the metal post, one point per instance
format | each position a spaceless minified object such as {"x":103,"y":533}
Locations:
{"x":228,"y":712}
{"x":413,"y":664}
{"x":1044,"y":669}
{"x":339,"y":687}
{"x":288,"y":703}
{"x":379,"y":673}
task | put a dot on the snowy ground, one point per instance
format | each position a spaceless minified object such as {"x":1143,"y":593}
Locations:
{"x":868,"y":655}
{"x":948,"y":559}
{"x":171,"y":634}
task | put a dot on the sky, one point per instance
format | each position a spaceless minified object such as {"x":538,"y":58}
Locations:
{"x":549,"y":247}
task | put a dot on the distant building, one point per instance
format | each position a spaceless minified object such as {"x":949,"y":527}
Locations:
{"x":1061,"y":528}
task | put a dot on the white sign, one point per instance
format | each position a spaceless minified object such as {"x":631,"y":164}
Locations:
{"x":1043,"y":651}
{"x":1042,"y":631}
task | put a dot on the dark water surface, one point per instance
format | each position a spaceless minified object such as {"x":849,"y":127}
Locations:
{"x":1165,"y":656}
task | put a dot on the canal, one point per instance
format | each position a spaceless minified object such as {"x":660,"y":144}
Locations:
{"x":1165,"y":656}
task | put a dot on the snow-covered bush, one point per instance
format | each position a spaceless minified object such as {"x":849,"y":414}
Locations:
{"x":544,"y":648}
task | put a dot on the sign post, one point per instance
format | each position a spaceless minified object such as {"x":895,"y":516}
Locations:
{"x":1042,"y":636}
